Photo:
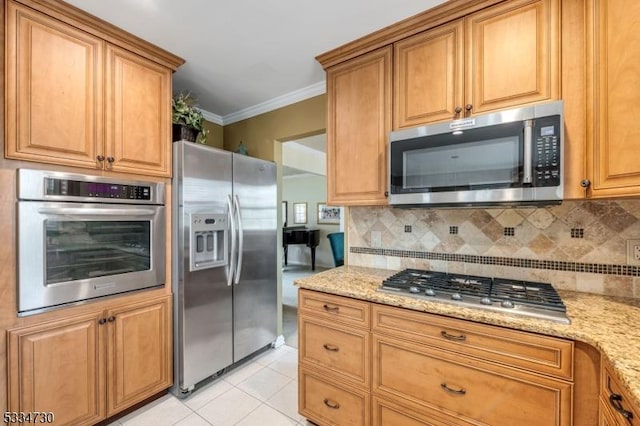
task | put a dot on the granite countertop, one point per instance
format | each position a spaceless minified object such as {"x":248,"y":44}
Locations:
{"x":609,"y":324}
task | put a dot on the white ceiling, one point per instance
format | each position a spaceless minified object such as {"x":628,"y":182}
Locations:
{"x":250,"y":55}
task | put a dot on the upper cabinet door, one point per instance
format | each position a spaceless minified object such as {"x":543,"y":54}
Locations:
{"x":428,"y":76}
{"x":512,"y":55}
{"x":54,"y":90}
{"x":138,"y":111}
{"x":613,"y":60}
{"x":358,"y":124}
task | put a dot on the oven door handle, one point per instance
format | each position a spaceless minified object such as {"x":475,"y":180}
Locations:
{"x":74,"y":211}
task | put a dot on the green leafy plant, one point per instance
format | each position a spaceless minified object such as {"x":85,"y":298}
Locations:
{"x":186,"y":113}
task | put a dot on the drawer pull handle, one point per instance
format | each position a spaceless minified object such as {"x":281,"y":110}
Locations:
{"x":616,"y":403}
{"x":331,"y":404}
{"x":458,"y":338}
{"x":332,"y":348}
{"x":456,"y":391}
{"x":331,"y":308}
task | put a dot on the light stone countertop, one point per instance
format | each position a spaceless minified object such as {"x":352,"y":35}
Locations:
{"x":610,"y":324}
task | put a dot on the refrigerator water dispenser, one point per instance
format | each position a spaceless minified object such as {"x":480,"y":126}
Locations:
{"x":208,"y":241}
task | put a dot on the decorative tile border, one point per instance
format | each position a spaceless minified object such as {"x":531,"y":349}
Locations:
{"x":595,"y":268}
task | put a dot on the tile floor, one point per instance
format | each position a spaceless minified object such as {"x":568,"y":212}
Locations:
{"x":260,"y":392}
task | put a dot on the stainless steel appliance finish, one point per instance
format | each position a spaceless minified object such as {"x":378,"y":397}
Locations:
{"x":524,"y":298}
{"x":225,"y":246}
{"x":82,"y":237}
{"x":512,"y":157}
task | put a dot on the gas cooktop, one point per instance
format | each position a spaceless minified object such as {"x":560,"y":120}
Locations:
{"x":525,"y":298}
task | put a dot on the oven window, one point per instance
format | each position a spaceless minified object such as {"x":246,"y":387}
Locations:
{"x":79,"y":250}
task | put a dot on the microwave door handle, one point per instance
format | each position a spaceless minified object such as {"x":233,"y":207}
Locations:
{"x":240,"y":240}
{"x":232,"y":254}
{"x":528,"y":146}
{"x":71,"y":211}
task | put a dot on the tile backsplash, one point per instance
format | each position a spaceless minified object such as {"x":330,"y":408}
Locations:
{"x":578,"y":245}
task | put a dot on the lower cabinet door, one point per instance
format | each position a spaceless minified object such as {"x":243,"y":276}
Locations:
{"x":390,"y":413}
{"x":329,"y":402}
{"x":472,"y":390}
{"x":58,"y":368}
{"x":139,"y":355}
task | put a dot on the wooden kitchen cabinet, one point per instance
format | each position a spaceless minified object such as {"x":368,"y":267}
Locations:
{"x":86,"y":368}
{"x":138,"y":112}
{"x":613,"y":98}
{"x":334,"y":359}
{"x":75,"y":99}
{"x":617,"y":408}
{"x":358,"y":125}
{"x":54,"y":93}
{"x":502,"y":56}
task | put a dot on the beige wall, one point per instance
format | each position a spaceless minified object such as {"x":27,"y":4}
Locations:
{"x":258,"y":133}
{"x":215,"y":136}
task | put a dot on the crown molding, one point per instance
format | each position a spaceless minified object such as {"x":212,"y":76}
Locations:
{"x":214,"y":118}
{"x":281,"y":101}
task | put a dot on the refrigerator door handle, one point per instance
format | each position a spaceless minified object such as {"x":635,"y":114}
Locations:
{"x":240,"y":239}
{"x":232,"y":255}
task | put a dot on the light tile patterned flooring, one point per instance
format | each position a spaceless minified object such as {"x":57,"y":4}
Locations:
{"x":261,"y":392}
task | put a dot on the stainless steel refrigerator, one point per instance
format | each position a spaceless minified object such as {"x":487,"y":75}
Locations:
{"x":224,"y":267}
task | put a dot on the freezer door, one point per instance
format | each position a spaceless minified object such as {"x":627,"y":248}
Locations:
{"x":255,"y":293}
{"x":203,"y":320}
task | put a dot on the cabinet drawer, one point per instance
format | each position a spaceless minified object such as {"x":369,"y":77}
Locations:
{"x":335,"y":308}
{"x":540,"y":354}
{"x":341,"y":350}
{"x":391,"y":413}
{"x":467,"y":388}
{"x":331,"y":403}
{"x":621,"y":406}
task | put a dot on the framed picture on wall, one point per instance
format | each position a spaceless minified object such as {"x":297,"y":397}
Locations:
{"x":328,"y":215}
{"x":299,"y":213}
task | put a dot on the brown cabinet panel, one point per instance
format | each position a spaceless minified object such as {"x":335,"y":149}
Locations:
{"x":469,"y":389}
{"x":513,"y":54}
{"x":54,"y":90}
{"x":358,"y":124}
{"x":335,"y":308}
{"x":138,"y":113}
{"x":622,"y":410}
{"x":340,"y":350}
{"x":613,"y":62}
{"x":331,"y":402}
{"x":59,"y":368}
{"x":139,"y":356}
{"x":428,"y":76}
{"x":536,"y":353}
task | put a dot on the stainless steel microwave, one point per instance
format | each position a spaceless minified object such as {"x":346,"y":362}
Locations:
{"x":511,"y":157}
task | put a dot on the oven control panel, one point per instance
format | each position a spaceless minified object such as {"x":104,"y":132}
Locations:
{"x":84,"y":189}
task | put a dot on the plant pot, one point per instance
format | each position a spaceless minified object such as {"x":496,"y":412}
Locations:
{"x":182,"y":132}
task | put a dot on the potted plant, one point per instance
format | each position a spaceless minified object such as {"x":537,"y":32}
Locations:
{"x":187,"y":119}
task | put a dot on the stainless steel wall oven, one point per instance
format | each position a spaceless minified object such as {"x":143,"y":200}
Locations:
{"x":82,"y":237}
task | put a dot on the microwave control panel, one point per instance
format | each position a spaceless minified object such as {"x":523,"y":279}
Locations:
{"x":547,"y":151}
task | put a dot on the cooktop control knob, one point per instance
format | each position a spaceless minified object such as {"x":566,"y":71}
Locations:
{"x":507,"y":304}
{"x":456,"y":296}
{"x":486,"y":301}
{"x":430,"y":292}
{"x":413,"y":289}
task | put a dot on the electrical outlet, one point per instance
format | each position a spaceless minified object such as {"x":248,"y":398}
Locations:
{"x":633,"y":252}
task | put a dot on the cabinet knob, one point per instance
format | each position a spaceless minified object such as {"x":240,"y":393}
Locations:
{"x":458,"y":110}
{"x":111,"y":318}
{"x":585,"y":183}
{"x":331,"y":404}
{"x":451,"y":390}
{"x":102,"y":321}
{"x":468,"y":107}
{"x":100,"y":157}
{"x":616,"y":402}
{"x":111,"y":159}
